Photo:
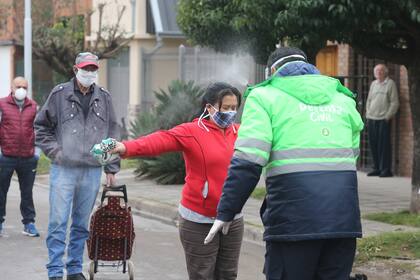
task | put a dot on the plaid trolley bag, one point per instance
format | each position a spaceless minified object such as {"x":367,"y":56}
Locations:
{"x":111,"y":234}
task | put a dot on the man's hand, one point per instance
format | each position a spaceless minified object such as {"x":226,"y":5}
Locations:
{"x":217,"y":226}
{"x":119,"y":149}
{"x":37,"y":153}
{"x":110,"y":179}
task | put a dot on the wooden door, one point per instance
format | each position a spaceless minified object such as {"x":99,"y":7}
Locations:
{"x":326,"y":61}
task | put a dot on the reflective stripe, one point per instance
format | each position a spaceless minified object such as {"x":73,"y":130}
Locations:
{"x":318,"y":166}
{"x":250,"y":157}
{"x":314,"y":153}
{"x":356,"y":152}
{"x":253,"y":143}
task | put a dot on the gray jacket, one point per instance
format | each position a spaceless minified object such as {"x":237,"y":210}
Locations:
{"x":63,"y":133}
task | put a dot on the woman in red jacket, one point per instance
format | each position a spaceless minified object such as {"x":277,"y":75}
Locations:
{"x":207,"y":145}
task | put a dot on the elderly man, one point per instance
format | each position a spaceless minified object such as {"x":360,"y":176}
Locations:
{"x":17,"y":138}
{"x":76,"y":115}
{"x":381,"y":106}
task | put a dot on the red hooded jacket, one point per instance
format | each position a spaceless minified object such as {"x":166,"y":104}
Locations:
{"x":207,"y":156}
{"x":17,"y":137}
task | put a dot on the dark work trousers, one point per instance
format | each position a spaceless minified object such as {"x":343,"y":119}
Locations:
{"x":326,"y":259}
{"x":25,"y":169}
{"x":217,"y":260}
{"x":380,"y":144}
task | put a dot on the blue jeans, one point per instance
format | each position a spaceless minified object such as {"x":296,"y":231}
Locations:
{"x":72,"y":190}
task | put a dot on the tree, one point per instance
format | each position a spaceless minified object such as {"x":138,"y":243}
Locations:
{"x":230,"y":26}
{"x":178,"y":104}
{"x":388,"y":30}
{"x":59,"y":30}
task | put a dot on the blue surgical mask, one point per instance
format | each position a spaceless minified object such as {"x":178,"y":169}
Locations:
{"x":223,"y":119}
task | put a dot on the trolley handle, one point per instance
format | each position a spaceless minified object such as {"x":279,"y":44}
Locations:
{"x":121,"y":188}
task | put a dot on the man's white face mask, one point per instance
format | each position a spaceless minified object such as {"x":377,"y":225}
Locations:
{"x":86,"y":78}
{"x":20,"y":94}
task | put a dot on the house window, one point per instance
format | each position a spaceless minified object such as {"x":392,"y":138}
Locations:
{"x":150,"y":25}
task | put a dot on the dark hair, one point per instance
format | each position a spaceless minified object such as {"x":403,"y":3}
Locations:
{"x":283,"y":52}
{"x":215,"y":93}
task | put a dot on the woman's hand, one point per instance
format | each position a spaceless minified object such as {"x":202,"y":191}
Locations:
{"x":119,"y":149}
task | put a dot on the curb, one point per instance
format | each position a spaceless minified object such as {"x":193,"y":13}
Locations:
{"x":155,"y":210}
{"x":168,"y":213}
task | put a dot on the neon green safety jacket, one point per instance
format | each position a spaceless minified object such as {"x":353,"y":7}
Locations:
{"x":305,"y":131}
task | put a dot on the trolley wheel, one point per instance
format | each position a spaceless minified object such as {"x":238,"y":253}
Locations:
{"x":130,"y":270}
{"x":91,"y":270}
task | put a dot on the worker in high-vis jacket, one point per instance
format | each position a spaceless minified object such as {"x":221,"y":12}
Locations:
{"x":303,"y":129}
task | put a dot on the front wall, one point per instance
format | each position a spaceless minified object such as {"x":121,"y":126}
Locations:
{"x":110,"y":15}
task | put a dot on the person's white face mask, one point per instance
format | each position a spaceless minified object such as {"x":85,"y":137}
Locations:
{"x":20,"y":94}
{"x":86,"y":78}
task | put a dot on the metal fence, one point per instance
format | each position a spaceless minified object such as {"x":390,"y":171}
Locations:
{"x":359,"y":83}
{"x":158,"y":70}
{"x":360,"y":86}
{"x":118,"y":83}
{"x":204,"y":66}
{"x":201,"y":65}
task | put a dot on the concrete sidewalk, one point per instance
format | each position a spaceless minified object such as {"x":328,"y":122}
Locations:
{"x":161,"y":201}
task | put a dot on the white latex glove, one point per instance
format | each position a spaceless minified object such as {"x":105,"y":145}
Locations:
{"x":217,"y":226}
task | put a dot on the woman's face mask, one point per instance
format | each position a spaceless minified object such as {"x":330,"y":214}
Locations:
{"x":223,"y":119}
{"x":86,"y":78}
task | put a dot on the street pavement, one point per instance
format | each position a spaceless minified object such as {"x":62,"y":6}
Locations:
{"x":157,"y":255}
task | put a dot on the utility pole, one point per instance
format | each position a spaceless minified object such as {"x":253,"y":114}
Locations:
{"x":27,"y":45}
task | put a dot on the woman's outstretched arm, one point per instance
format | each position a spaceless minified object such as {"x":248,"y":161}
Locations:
{"x":154,"y":144}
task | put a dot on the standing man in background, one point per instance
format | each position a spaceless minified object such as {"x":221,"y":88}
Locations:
{"x":17,"y":151}
{"x":76,"y":115}
{"x":381,"y":106}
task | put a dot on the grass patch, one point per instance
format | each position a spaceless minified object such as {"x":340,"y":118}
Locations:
{"x":258,"y":193}
{"x":129,"y":163}
{"x":44,"y":164}
{"x":401,"y":245}
{"x":400,"y":218}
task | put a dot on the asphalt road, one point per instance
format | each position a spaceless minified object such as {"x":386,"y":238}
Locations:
{"x":157,"y":254}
